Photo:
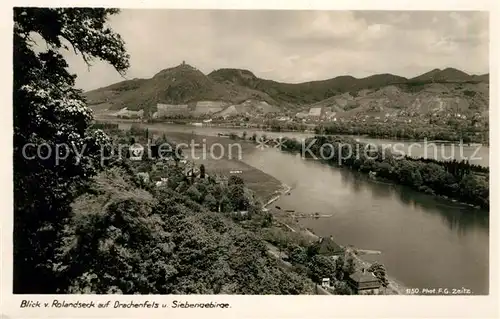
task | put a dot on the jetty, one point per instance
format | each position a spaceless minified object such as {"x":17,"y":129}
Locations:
{"x":285,"y":189}
{"x":307,"y":215}
{"x":368,"y":252}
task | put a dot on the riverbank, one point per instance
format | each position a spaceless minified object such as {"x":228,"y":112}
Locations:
{"x":454,"y":179}
{"x":394,"y":287}
{"x":433,"y":178}
{"x":284,"y":190}
{"x":226,"y":161}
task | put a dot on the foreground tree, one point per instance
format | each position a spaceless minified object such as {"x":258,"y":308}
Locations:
{"x":202,"y":171}
{"x":379,"y":271}
{"x":51,"y":115}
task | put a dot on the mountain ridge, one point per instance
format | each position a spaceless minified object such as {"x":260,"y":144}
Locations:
{"x":184,"y":84}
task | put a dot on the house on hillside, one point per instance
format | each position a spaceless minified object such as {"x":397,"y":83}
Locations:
{"x":329,"y":247}
{"x":364,"y":282}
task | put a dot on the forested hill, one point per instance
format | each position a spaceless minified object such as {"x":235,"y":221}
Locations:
{"x":126,"y":238}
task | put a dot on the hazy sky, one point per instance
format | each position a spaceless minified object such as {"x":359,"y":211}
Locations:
{"x":295,"y":46}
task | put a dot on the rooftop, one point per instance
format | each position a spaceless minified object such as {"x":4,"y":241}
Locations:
{"x":362,"y":277}
{"x":328,"y":246}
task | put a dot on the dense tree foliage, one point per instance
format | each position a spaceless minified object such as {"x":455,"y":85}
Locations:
{"x":124,"y":239}
{"x":50,"y":112}
{"x":379,"y":271}
{"x":202,"y":171}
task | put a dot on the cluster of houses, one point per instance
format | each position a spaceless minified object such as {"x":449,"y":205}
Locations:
{"x":217,"y":109}
{"x":163,"y":162}
{"x":361,"y":281}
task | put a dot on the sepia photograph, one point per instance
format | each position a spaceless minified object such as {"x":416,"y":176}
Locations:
{"x":250,"y":152}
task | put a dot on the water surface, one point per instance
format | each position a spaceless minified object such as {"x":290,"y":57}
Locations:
{"x":426,"y":242}
{"x":475,"y":153}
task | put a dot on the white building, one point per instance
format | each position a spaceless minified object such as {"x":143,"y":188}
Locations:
{"x":325,"y":283}
{"x":301,"y":115}
{"x":124,"y":113}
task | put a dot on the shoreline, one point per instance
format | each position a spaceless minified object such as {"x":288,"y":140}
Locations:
{"x":395,"y":287}
{"x":285,"y":189}
{"x":393,"y":182}
{"x":380,"y":180}
{"x":265,"y":130}
{"x":188,"y":123}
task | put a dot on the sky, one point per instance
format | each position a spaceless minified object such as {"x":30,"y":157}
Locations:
{"x":294,"y":46}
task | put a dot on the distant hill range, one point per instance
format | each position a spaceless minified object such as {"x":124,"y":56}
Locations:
{"x":235,"y":91}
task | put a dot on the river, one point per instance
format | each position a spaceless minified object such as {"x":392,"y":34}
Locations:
{"x":426,"y":242}
{"x":475,"y":153}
